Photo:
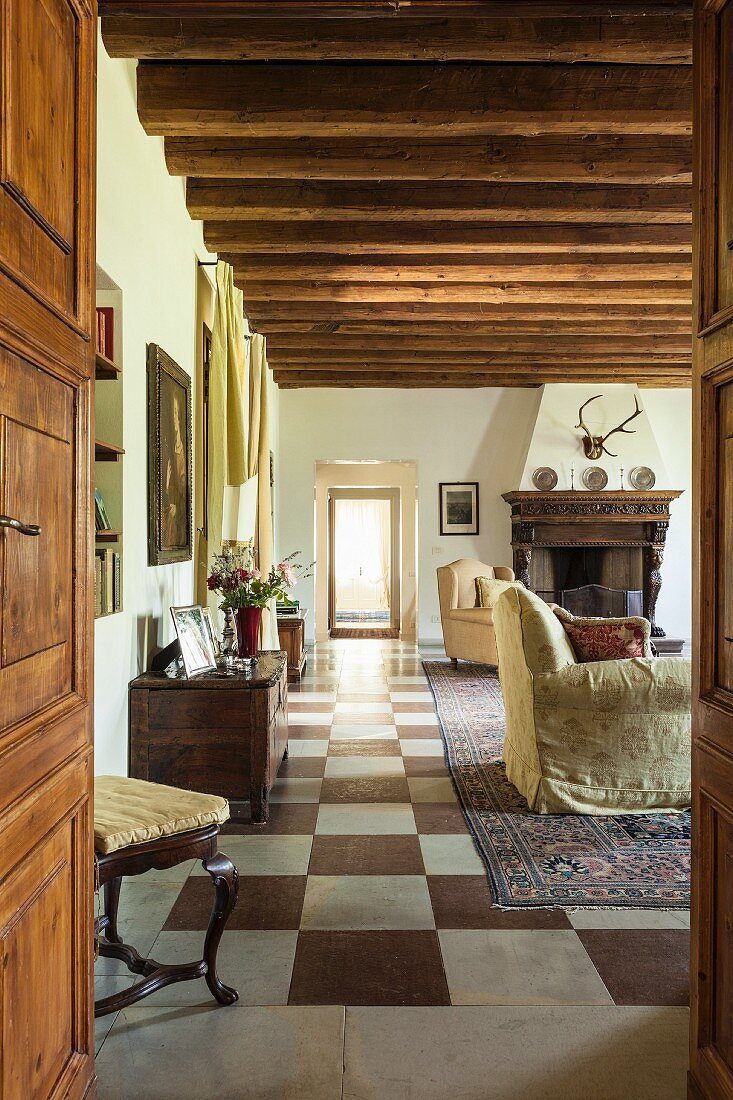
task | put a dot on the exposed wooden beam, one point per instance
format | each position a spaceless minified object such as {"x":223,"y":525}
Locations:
{"x":681,"y":377}
{"x":562,"y":294}
{"x":648,"y":38}
{"x":362,"y":238}
{"x":560,"y":367}
{"x":392,"y":9}
{"x":607,"y":328}
{"x":407,"y":202}
{"x":538,"y":347}
{"x":497,"y":364}
{"x":261,"y":100}
{"x":547,"y":159}
{"x":500,"y":268}
{"x":645,"y":317}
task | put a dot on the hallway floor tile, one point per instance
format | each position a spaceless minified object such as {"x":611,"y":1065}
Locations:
{"x":370,"y":958}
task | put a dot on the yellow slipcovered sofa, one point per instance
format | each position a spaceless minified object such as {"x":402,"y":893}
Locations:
{"x":468,"y":630}
{"x":604,"y":737}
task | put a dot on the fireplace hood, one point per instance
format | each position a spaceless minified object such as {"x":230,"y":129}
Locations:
{"x":557,"y":443}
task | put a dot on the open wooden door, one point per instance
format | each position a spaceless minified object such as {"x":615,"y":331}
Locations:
{"x":48,"y":59}
{"x":711,"y":1073}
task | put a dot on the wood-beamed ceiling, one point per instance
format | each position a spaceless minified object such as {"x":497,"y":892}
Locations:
{"x":435,"y":194}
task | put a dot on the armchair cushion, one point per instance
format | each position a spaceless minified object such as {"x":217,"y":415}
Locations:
{"x":599,"y":639}
{"x":488,"y":589}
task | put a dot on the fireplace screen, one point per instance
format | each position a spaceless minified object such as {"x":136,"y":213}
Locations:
{"x":594,"y":599}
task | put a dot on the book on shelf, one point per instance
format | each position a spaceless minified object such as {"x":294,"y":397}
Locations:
{"x":97,"y":585}
{"x":107,"y":582}
{"x":105,"y":331}
{"x":117,"y":581}
{"x":101,"y":519}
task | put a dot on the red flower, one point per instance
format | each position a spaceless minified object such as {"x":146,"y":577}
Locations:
{"x":213,"y":582}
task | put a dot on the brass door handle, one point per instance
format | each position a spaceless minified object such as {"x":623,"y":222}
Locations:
{"x":17,"y":525}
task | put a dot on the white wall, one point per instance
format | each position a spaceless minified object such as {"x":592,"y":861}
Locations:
{"x":458,"y":435}
{"x":149,"y":247}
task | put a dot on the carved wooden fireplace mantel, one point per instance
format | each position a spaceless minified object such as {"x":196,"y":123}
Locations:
{"x":622,"y":521}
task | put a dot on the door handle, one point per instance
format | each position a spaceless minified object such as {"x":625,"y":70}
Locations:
{"x":17,"y":525}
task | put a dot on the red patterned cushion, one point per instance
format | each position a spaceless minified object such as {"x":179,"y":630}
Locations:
{"x":606,"y":639}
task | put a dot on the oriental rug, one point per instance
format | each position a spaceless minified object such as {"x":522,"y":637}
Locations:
{"x":571,"y":861}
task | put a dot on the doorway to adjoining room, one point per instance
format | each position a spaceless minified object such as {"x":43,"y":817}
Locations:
{"x":364,"y":563}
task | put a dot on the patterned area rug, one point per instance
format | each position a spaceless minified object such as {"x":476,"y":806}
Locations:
{"x":638,"y":861}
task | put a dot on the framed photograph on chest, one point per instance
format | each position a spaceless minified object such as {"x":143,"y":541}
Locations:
{"x":169,"y":460}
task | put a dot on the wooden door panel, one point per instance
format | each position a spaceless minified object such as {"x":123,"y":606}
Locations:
{"x":35,"y":1056}
{"x":37,"y":480}
{"x":44,"y":1023}
{"x":724,"y":657}
{"x":44,"y":196}
{"x":711,"y":1047}
{"x":47,"y":72}
{"x":724,"y":144}
{"x":40,"y":131}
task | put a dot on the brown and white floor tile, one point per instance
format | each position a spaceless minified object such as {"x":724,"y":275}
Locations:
{"x":366,"y":946}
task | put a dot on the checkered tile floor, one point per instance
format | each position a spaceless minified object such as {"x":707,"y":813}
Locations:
{"x":365,"y":889}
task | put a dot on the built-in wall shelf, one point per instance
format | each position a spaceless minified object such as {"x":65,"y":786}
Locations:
{"x":107,"y":452}
{"x":105,"y":369}
{"x":109,"y":467}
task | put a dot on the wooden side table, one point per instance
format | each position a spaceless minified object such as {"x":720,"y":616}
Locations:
{"x":291,"y":629}
{"x":222,"y":734}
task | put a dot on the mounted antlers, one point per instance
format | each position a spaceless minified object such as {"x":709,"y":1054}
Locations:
{"x":594,"y":445}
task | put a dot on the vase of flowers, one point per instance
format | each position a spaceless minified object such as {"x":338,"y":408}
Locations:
{"x":245,"y":591}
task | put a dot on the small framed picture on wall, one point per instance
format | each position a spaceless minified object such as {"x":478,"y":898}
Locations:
{"x":458,"y":507}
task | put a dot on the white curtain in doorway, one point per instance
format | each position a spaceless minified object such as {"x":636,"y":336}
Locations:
{"x":363,"y":544}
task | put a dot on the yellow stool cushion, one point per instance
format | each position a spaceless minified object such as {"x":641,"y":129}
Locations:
{"x":131,"y":811}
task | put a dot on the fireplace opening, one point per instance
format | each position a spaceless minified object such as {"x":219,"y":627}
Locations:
{"x":591,"y":580}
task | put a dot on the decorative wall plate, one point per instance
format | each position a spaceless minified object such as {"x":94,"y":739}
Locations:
{"x":544,"y":478}
{"x":641,"y":477}
{"x":595,"y":478}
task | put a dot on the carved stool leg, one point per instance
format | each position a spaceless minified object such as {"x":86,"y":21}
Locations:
{"x":226,"y":882}
{"x":111,"y":906}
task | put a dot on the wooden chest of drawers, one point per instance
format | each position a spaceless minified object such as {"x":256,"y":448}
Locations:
{"x":223,"y":735}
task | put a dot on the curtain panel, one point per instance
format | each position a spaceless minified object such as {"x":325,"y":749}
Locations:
{"x":239,"y":436}
{"x":258,"y":459}
{"x":228,"y":414}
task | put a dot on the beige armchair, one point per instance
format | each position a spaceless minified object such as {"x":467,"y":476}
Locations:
{"x":468,"y":630}
{"x":600,"y":737}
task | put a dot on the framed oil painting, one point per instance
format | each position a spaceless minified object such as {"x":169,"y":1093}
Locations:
{"x":169,"y":460}
{"x":197,"y":647}
{"x":458,"y":507}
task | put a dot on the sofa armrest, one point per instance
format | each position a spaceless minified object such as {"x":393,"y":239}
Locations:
{"x":644,"y":685}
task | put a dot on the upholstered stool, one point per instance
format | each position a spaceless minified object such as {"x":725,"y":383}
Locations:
{"x":139,"y":826}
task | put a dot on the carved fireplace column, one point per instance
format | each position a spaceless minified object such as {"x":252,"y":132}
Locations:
{"x":654,"y":559}
{"x":522,"y":539}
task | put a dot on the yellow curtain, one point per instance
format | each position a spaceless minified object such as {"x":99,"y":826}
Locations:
{"x":227,"y":422}
{"x":258,"y":462}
